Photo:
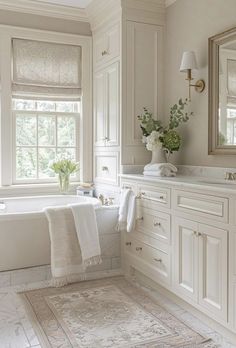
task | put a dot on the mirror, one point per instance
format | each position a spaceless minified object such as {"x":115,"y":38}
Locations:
{"x":222,"y":93}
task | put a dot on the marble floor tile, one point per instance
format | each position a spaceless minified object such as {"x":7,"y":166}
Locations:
{"x":16,"y":330}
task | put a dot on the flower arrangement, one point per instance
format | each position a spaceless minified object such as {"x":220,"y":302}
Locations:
{"x":156,"y":136}
{"x":64,"y":168}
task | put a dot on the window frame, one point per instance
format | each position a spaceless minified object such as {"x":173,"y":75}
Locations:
{"x":7,"y":33}
{"x":37,"y":113}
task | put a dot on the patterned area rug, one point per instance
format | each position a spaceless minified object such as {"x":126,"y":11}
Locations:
{"x":106,"y":313}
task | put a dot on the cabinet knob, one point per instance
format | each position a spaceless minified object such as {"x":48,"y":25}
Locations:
{"x":158,"y":260}
{"x":105,"y":169}
{"x":104,"y":53}
{"x":156,"y":224}
{"x":139,"y":249}
{"x":128,"y":243}
{"x":140,"y":218}
{"x":161,"y":197}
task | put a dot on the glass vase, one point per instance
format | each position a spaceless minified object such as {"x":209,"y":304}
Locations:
{"x":64,"y":183}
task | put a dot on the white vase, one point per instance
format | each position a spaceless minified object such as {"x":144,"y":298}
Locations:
{"x":158,"y":156}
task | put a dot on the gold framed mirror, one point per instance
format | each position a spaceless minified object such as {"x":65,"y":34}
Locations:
{"x":222,"y":93}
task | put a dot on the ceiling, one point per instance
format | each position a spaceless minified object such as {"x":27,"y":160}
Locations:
{"x":73,"y":3}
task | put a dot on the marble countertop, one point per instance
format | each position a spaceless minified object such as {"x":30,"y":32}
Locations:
{"x":194,"y":182}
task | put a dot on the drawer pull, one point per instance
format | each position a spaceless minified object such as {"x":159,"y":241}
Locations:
{"x":139,"y":249}
{"x":156,"y":224}
{"x":143,"y":194}
{"x":104,"y":53}
{"x":158,"y":260}
{"x":105,"y":169}
{"x":140,"y":218}
{"x":128,"y":243}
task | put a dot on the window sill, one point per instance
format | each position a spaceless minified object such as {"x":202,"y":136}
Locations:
{"x":34,"y":189}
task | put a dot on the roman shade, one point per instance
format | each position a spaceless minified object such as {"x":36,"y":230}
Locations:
{"x":46,"y":70}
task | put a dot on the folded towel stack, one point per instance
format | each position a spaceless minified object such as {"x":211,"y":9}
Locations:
{"x":160,"y":169}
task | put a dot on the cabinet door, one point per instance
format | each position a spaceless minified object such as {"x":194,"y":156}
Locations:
{"x":186,"y":258}
{"x":213,"y":250}
{"x":99,"y":109}
{"x":144,"y":76}
{"x":112,"y":105}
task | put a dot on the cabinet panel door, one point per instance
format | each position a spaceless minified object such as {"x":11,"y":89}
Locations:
{"x":99,"y":109}
{"x":144,"y":76}
{"x":113,"y":105}
{"x":186,"y":258}
{"x":213,"y":250}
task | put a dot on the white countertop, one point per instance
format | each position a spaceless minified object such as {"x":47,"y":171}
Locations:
{"x":195,"y":182}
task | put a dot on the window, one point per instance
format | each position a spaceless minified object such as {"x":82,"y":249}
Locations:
{"x":46,"y":88}
{"x":44,"y":131}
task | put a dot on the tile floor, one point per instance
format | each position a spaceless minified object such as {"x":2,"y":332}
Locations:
{"x":16,"y":330}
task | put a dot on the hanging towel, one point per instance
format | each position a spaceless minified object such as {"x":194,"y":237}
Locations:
{"x":66,"y":257}
{"x":124,"y":203}
{"x":87,"y":233}
{"x":131,"y":216}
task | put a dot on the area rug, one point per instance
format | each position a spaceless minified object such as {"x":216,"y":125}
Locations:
{"x":105,"y":313}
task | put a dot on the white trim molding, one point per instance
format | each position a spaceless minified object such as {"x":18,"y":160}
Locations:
{"x":170,"y":2}
{"x":45,"y":9}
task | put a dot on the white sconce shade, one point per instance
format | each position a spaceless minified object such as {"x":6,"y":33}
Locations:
{"x":189,"y":61}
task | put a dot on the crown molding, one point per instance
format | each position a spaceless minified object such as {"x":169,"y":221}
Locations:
{"x":45,"y":9}
{"x":170,"y":2}
{"x":103,"y":12}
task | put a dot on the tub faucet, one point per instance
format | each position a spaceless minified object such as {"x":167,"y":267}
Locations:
{"x":230,"y":176}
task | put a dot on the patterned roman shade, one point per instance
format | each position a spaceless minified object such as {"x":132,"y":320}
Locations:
{"x":46,"y":70}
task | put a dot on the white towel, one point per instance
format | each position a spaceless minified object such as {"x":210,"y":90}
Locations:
{"x":66,"y":257}
{"x":124,"y":202}
{"x":160,"y":169}
{"x":87,"y":233}
{"x":127,"y":211}
{"x":131,"y":216}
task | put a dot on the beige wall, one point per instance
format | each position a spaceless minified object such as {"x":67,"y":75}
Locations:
{"x":189,"y":25}
{"x":44,"y":23}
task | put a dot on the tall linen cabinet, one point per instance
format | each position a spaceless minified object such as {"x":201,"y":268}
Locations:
{"x":127,"y":76}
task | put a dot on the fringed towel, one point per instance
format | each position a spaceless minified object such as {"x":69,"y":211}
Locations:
{"x":66,"y":259}
{"x":87,"y":233}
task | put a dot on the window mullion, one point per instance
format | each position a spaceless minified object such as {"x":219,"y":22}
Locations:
{"x":37,"y":144}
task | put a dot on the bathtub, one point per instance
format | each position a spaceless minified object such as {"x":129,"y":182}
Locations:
{"x":24,"y":235}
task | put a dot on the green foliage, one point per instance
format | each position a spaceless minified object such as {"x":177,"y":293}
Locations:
{"x":65,"y":167}
{"x":169,"y":137}
{"x":171,"y":141}
{"x":177,"y":114}
{"x":148,"y":124}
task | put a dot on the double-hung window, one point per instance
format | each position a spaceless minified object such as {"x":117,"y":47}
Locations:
{"x":46,"y":99}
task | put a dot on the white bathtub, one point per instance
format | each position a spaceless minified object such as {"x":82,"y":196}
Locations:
{"x":24,"y":236}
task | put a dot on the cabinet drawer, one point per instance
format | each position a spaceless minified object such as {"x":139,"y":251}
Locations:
{"x":107,"y":45}
{"x":153,"y":223}
{"x":129,"y":185}
{"x":153,"y":196}
{"x":156,"y":258}
{"x":203,"y":205}
{"x":106,"y":168}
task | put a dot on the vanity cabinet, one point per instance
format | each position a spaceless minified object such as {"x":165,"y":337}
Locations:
{"x":106,"y":106}
{"x":185,"y":240}
{"x":200,"y":259}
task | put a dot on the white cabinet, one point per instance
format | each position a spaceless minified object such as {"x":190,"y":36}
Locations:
{"x":200,"y":258}
{"x":213,"y":269}
{"x":144,"y":76}
{"x":106,"y":106}
{"x":185,"y":258}
{"x":106,"y":45}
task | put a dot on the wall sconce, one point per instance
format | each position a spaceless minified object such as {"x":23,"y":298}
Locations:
{"x":188,"y":64}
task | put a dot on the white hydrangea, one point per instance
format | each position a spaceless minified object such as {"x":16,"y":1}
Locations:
{"x":153,"y":142}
